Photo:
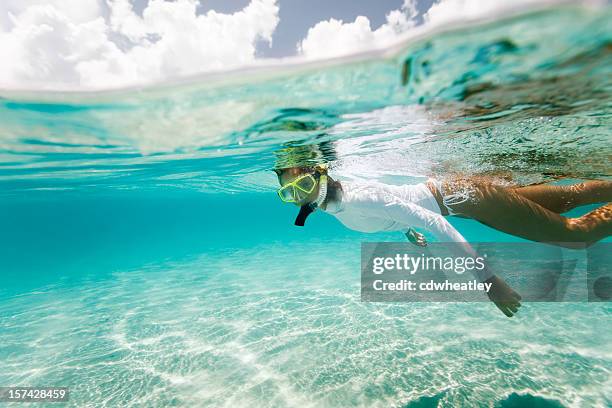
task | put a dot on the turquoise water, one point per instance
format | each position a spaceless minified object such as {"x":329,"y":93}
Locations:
{"x":146,"y":260}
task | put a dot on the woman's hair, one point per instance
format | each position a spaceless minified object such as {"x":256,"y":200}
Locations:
{"x":320,"y":168}
{"x":307,"y":157}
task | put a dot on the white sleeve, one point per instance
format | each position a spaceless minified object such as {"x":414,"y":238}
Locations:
{"x":413,"y":215}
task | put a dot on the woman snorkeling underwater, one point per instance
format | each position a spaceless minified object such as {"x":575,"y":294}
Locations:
{"x":531,"y":212}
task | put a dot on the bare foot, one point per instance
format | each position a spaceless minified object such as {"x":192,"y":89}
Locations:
{"x":504,"y":297}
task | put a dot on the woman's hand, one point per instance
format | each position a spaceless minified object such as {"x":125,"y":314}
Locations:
{"x":416,"y":238}
{"x":504,"y":297}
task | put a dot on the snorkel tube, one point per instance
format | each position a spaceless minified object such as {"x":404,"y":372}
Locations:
{"x":309,"y":208}
{"x":305,"y":211}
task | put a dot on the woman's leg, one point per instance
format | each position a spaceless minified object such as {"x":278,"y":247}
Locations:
{"x":510,"y":212}
{"x":561,"y":199}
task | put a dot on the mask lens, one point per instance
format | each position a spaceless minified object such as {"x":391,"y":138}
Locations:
{"x":299,"y":195}
{"x":306,"y":183}
{"x":286,"y":194}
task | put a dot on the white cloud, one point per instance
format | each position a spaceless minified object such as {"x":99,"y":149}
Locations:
{"x":333,"y":37}
{"x":443,"y":11}
{"x":70,"y":44}
{"x":77,"y":11}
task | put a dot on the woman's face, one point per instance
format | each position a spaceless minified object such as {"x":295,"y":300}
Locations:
{"x":288,"y":175}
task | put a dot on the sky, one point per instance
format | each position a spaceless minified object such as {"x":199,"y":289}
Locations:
{"x":297,"y":16}
{"x":99,"y":44}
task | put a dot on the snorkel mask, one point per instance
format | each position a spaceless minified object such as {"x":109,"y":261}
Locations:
{"x":299,"y":188}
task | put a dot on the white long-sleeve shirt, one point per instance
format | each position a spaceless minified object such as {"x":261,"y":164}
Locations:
{"x":375,"y":207}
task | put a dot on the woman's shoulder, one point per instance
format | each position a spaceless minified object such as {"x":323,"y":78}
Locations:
{"x":377,"y":186}
{"x":364,"y":192}
{"x":359,"y":186}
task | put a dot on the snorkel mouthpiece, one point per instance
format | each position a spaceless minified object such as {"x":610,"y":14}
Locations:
{"x":309,"y":208}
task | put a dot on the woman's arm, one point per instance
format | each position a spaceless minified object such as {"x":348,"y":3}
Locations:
{"x":504,"y":297}
{"x":413,"y":215}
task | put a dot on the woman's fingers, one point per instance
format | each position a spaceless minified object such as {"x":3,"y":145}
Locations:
{"x":509,"y":309}
{"x":516,"y":295}
{"x":504,"y":309}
